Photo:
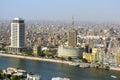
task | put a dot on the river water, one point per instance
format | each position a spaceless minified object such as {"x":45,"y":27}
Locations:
{"x":47,"y":70}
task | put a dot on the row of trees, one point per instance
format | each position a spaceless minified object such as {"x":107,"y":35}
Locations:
{"x":44,"y":53}
{"x":2,"y":49}
{"x":50,"y":53}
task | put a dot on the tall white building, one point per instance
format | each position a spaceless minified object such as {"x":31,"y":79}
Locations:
{"x":17,"y":35}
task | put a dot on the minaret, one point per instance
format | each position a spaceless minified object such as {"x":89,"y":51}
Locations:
{"x":72,"y":36}
{"x":72,"y":22}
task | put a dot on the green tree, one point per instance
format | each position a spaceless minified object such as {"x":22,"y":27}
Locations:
{"x":84,"y":60}
{"x":49,"y":54}
{"x":69,"y":58}
{"x":62,"y":58}
{"x":42,"y":54}
{"x":16,"y":78}
{"x":27,"y":53}
{"x":2,"y":49}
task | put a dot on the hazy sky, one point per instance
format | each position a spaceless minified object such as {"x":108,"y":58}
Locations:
{"x":83,"y":10}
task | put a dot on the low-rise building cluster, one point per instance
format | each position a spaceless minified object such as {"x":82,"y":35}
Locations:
{"x":17,"y":74}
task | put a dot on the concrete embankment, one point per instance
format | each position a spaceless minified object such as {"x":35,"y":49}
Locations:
{"x":115,"y":68}
{"x":36,"y":58}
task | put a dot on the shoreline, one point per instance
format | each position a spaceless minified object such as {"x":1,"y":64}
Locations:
{"x":47,"y":60}
{"x":115,"y":68}
{"x":35,"y":58}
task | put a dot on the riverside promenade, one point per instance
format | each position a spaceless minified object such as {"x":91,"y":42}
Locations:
{"x":35,"y":58}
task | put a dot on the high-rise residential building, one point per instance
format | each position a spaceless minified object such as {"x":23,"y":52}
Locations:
{"x":72,"y":38}
{"x":36,"y":50}
{"x":39,"y":41}
{"x":118,"y":56}
{"x":17,"y":35}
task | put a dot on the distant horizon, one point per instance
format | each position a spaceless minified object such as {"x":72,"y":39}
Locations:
{"x":68,"y":21}
{"x":64,"y":22}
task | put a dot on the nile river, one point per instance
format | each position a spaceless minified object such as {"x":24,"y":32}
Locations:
{"x":47,"y":70}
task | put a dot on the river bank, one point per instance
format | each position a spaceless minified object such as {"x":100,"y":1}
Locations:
{"x":115,"y":68}
{"x":47,"y":70}
{"x":44,"y":59}
{"x":35,"y":58}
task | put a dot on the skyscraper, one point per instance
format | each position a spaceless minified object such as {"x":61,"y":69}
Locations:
{"x":17,"y":35}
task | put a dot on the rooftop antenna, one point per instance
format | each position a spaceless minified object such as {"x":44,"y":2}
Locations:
{"x":72,"y":22}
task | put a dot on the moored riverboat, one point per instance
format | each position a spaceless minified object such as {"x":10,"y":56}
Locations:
{"x":59,"y":78}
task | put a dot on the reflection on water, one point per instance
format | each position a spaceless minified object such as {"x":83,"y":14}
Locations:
{"x":48,"y":70}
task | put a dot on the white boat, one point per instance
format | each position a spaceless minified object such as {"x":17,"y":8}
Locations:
{"x":84,"y":66}
{"x":33,"y":77}
{"x":59,"y":78}
{"x":113,"y":76}
{"x":74,"y":64}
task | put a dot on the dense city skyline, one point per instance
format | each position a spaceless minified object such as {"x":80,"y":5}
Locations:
{"x":59,"y":40}
{"x":82,"y":10}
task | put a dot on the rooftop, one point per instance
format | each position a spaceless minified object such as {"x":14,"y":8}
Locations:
{"x":18,"y":19}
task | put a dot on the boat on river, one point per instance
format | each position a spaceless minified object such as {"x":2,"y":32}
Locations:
{"x":74,"y":64}
{"x":113,"y":76}
{"x":103,"y":67}
{"x":59,"y":78}
{"x":84,"y":65}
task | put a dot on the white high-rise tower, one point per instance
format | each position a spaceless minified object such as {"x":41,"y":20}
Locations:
{"x":17,"y":35}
